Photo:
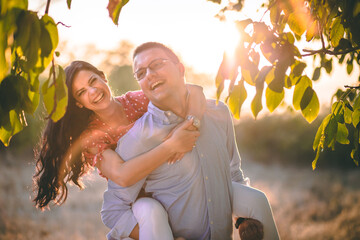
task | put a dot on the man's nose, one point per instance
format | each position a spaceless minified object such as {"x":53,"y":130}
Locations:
{"x":150,"y":73}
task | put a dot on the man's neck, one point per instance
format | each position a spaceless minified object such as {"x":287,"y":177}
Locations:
{"x":177,"y":103}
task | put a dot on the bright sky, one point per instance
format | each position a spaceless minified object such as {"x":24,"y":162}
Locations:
{"x":187,"y":26}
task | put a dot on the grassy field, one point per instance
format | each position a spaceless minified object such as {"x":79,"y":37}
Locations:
{"x":321,"y":204}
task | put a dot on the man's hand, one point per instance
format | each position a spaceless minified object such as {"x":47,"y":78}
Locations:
{"x":251,"y":229}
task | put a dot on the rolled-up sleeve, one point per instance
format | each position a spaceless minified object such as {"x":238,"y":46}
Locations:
{"x":116,"y":212}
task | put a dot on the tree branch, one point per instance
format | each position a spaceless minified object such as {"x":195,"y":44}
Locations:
{"x":47,"y":6}
{"x":327,"y":51}
{"x":54,"y":83}
{"x":63,"y":24}
{"x":352,"y":87}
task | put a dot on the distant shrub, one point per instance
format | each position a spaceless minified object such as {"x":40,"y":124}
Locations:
{"x":286,"y":139}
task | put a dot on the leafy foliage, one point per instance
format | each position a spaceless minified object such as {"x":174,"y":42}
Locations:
{"x":27,"y":47}
{"x":335,"y":24}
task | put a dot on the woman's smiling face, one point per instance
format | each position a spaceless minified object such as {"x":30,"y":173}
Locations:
{"x":91,"y":90}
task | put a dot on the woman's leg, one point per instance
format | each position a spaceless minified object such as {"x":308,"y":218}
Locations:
{"x":249,"y":202}
{"x":152,"y":219}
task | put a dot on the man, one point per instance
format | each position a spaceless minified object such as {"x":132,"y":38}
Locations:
{"x":201,"y":191}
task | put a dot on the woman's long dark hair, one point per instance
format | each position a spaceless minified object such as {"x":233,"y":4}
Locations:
{"x":60,"y":160}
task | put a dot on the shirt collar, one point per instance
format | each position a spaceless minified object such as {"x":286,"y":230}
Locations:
{"x":165,"y":117}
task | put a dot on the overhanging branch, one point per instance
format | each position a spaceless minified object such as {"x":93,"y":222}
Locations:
{"x":327,"y":51}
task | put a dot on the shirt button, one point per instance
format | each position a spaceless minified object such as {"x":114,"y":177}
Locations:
{"x":206,"y":178}
{"x":209,"y":200}
{"x":211,"y":222}
{"x":201,"y":155}
{"x":168,"y":113}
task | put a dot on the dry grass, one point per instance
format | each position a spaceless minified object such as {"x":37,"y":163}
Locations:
{"x":306,"y":204}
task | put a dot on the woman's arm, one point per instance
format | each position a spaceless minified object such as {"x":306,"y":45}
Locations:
{"x":127,"y":173}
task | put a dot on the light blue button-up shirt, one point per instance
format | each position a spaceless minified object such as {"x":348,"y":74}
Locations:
{"x":196,"y":191}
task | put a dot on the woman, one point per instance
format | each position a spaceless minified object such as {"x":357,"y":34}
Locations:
{"x":92,"y":125}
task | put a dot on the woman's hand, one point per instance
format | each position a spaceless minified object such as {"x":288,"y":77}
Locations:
{"x":182,"y":138}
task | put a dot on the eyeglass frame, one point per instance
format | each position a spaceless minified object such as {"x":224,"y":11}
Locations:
{"x":149,"y":67}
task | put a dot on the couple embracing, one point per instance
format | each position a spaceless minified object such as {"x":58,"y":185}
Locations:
{"x":170,"y":143}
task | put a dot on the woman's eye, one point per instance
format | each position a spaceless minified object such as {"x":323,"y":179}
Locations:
{"x":92,"y":80}
{"x":80,"y":93}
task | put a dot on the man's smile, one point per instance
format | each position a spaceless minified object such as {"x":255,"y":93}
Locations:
{"x":156,"y":84}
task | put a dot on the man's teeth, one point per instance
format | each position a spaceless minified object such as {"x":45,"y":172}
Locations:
{"x":155,"y":84}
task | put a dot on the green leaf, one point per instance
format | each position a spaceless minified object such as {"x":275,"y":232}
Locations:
{"x":290,"y":38}
{"x":273,"y":99}
{"x":246,"y":75}
{"x":256,"y":104}
{"x":316,"y":74}
{"x":274,"y":14}
{"x":310,"y":105}
{"x":237,"y":98}
{"x":219,"y":80}
{"x":296,"y":22}
{"x":314,"y":162}
{"x":29,"y":46}
{"x":356,"y":117}
{"x":260,"y":32}
{"x":356,"y":104}
{"x":278,"y":83}
{"x":298,"y":69}
{"x":7,"y":5}
{"x":22,"y":34}
{"x":347,"y":115}
{"x":268,"y":51}
{"x":49,"y":36}
{"x":312,"y":31}
{"x":330,"y":132}
{"x":319,"y":137}
{"x":355,"y":156}
{"x":337,"y":32}
{"x":68,"y":2}
{"x":328,"y":66}
{"x":9,"y":98}
{"x":241,"y":25}
{"x":349,"y":68}
{"x":14,"y":126}
{"x":342,"y":134}
{"x":299,"y":91}
{"x":114,"y":7}
{"x":55,"y":94}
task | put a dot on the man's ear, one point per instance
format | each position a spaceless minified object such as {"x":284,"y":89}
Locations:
{"x":181,"y":69}
{"x":79,"y":105}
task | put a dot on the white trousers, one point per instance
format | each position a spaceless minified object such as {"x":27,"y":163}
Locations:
{"x":248,"y":202}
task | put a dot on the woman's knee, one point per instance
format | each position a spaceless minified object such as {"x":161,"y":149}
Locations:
{"x":249,"y":198}
{"x":148,"y":208}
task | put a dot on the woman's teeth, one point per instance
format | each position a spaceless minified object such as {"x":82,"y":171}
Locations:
{"x":99,"y":98}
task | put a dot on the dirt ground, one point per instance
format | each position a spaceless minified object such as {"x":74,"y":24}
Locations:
{"x":321,"y":204}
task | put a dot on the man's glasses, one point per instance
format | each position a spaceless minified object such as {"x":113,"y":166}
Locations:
{"x":155,"y":65}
